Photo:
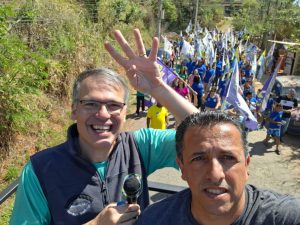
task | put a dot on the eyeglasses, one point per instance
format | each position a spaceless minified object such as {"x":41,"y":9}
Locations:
{"x":93,"y":106}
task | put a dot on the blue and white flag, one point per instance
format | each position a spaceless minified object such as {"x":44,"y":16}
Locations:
{"x":167,"y":46}
{"x":187,"y":50}
{"x":198,"y":49}
{"x":234,"y":97}
{"x":188,"y":29}
{"x":261,"y":63}
{"x":166,"y":73}
{"x":198,"y":28}
{"x":149,"y":100}
{"x":254,"y":65}
{"x":268,"y":85}
{"x":269,"y":57}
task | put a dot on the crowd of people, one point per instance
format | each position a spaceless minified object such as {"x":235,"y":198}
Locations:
{"x":204,"y":83}
{"x":80,"y":181}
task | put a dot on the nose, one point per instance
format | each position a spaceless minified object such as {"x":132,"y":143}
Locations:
{"x":102,"y":112}
{"x":215,"y":171}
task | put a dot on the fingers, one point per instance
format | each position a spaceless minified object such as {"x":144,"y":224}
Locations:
{"x":130,"y":215}
{"x":124,"y":44}
{"x":119,"y":58}
{"x":139,"y":42}
{"x":154,"y":49}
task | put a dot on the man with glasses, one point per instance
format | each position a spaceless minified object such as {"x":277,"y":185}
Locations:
{"x":80,"y":181}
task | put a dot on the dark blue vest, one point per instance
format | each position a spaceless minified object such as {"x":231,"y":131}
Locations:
{"x":72,"y":186}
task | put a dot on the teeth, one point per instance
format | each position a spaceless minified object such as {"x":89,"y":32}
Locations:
{"x":101,"y":128}
{"x":215,"y":191}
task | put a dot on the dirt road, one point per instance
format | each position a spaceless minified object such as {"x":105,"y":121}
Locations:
{"x":267,"y":169}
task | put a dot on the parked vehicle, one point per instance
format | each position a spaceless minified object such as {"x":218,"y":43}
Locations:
{"x":281,"y":87}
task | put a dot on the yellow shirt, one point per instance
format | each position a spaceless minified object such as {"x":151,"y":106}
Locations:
{"x":157,"y":116}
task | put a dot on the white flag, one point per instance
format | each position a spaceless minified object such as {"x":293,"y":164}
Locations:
{"x":189,"y":27}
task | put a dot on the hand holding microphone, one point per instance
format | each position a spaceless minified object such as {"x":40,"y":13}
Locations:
{"x":132,"y":188}
{"x":120,"y":212}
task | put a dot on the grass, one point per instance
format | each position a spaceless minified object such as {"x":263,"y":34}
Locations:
{"x":6,"y":210}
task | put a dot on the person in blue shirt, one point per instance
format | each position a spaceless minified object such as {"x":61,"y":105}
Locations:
{"x":201,"y":67}
{"x":80,"y":181}
{"x":269,"y":108}
{"x":274,"y":127}
{"x":222,"y":86}
{"x":197,"y":86}
{"x":190,"y":66}
{"x":251,"y":102}
{"x":219,"y":71}
{"x":209,"y":77}
{"x":212,"y":100}
{"x":247,"y":69}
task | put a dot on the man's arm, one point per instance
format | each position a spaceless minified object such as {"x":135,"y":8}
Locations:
{"x":144,"y":74}
{"x":30,"y":204}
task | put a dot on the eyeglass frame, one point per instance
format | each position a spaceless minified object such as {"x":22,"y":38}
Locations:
{"x":99,"y":104}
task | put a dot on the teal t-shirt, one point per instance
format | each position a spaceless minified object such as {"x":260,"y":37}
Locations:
{"x":157,"y":148}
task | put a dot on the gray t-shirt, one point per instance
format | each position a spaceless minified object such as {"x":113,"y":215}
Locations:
{"x":263,"y":207}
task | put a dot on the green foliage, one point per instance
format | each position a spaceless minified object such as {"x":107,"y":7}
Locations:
{"x":118,"y":12}
{"x":6,"y":211}
{"x":170,"y":10}
{"x":269,"y":19}
{"x":43,"y":44}
{"x":11,"y":173}
{"x":210,"y":14}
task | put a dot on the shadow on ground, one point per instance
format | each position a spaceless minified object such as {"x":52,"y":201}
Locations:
{"x":260,"y":149}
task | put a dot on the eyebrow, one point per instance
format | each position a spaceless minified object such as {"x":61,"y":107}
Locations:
{"x":223,"y":151}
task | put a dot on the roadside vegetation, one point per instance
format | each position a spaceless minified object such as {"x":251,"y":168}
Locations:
{"x":45,"y":44}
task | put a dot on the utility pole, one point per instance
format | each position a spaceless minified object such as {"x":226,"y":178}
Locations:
{"x":196,"y":15}
{"x":159,"y":18}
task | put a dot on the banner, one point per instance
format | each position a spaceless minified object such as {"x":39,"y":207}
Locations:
{"x":189,"y":27}
{"x":261,"y":64}
{"x":166,"y":73}
{"x":167,"y":46}
{"x":235,"y":98}
{"x":267,"y":88}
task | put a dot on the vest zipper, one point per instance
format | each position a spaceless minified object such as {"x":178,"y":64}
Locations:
{"x":104,"y":194}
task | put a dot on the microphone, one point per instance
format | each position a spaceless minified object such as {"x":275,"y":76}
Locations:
{"x":132,"y":188}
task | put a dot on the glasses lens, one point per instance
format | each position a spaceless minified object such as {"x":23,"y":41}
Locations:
{"x":114,"y":107}
{"x":92,"y":106}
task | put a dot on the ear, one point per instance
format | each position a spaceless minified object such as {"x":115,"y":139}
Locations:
{"x":181,"y":166}
{"x":74,"y":112}
{"x":247,"y":165}
{"x":248,"y":160}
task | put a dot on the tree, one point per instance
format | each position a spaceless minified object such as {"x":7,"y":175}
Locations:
{"x":269,"y":19}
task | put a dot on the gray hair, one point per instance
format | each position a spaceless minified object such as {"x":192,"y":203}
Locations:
{"x":206,"y":119}
{"x":108,"y":76}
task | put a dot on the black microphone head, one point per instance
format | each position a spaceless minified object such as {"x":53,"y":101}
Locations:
{"x":132,"y":185}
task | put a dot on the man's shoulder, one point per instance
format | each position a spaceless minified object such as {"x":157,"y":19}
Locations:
{"x":172,"y":206}
{"x":177,"y":197}
{"x":271,"y":204}
{"x":45,"y":153}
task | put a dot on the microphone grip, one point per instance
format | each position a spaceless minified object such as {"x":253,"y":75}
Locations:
{"x":132,"y":199}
